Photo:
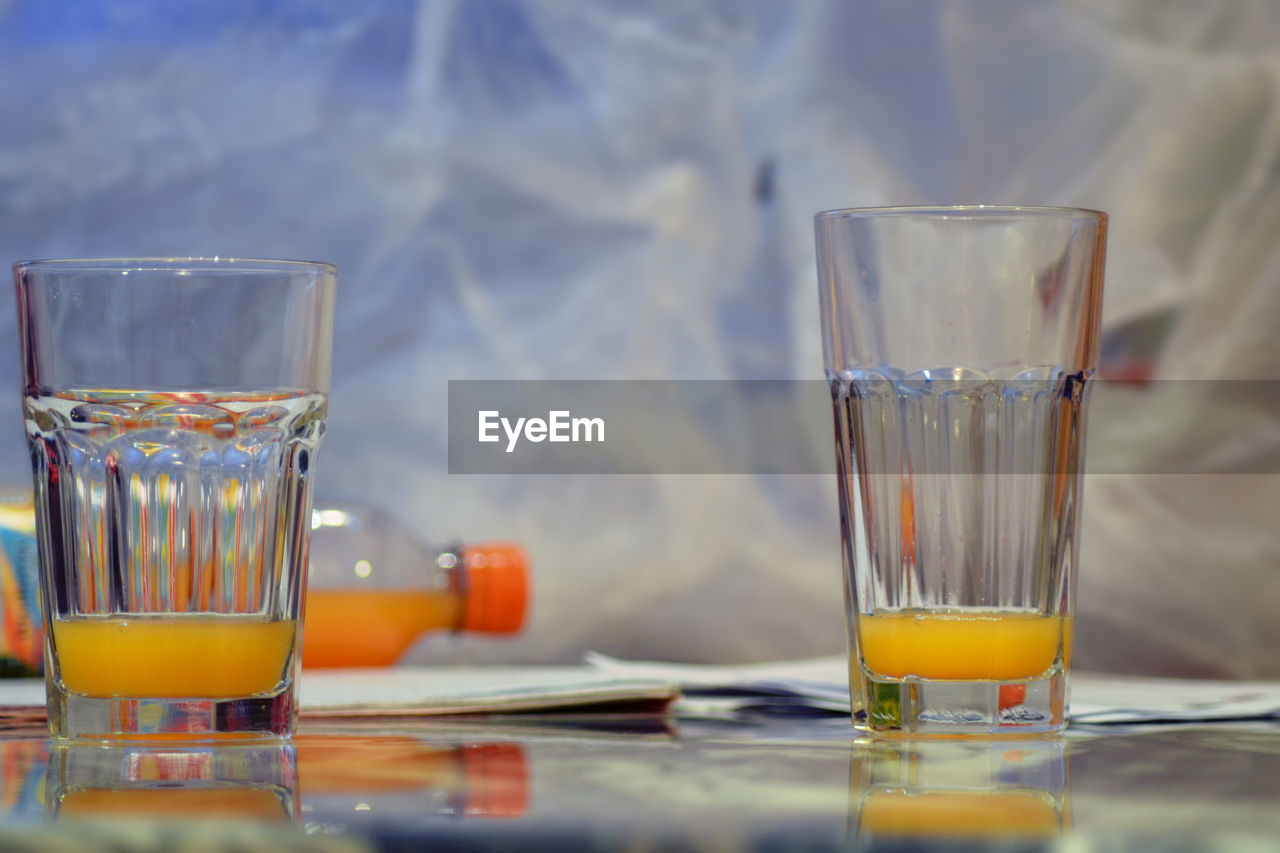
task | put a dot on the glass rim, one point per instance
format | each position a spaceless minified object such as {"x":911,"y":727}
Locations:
{"x":962,"y":211}
{"x":216,"y":263}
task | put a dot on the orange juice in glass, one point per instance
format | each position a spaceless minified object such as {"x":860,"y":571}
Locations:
{"x":173,"y":409}
{"x":959,"y":346}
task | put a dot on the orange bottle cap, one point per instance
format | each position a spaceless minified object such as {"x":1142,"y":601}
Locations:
{"x":497,"y":779}
{"x":497,"y":585}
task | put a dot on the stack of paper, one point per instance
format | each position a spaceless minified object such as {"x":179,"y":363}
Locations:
{"x":822,"y":684}
{"x":415,"y":691}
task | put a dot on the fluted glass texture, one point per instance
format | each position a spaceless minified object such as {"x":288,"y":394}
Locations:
{"x":959,"y":346}
{"x":173,"y":410}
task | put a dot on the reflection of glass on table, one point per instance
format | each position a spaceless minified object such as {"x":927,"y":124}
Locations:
{"x":247,"y":782}
{"x":970,"y":791}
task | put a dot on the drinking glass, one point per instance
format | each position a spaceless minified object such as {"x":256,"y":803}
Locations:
{"x":173,"y":409}
{"x":959,"y":345}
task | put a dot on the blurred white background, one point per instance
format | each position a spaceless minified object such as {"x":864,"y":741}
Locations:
{"x":625,"y":190}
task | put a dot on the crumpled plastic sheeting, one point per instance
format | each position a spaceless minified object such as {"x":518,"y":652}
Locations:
{"x":546,"y":190}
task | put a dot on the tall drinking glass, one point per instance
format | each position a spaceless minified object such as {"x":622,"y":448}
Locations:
{"x":173,"y":410}
{"x":959,"y":345}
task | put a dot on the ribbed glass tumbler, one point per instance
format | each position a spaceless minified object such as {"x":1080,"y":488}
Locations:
{"x":173,"y":410}
{"x":959,"y":345}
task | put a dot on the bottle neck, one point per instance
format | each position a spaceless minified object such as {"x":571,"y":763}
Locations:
{"x":452,"y":561}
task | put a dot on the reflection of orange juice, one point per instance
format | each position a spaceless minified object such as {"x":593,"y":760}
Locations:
{"x":372,"y":627}
{"x":963,"y":814}
{"x":230,"y":801}
{"x":172,"y":656}
{"x":961,"y":644}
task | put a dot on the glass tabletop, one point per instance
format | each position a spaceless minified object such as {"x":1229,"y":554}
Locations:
{"x":638,"y":782}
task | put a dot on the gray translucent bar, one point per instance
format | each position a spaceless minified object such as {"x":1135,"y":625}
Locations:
{"x":769,"y":427}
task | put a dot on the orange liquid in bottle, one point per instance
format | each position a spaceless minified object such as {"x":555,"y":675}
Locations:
{"x":371,"y":627}
{"x":172,"y":657}
{"x":954,"y":644}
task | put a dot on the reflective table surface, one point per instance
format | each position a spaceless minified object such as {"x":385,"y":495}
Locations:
{"x":646,"y":782}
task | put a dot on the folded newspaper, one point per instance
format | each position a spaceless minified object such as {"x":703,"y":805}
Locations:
{"x":423,"y":691}
{"x":604,"y":684}
{"x":822,"y":684}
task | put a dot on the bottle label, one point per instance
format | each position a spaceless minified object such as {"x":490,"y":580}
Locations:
{"x":21,"y":639}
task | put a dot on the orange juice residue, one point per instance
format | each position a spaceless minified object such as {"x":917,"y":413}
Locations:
{"x":172,"y":657}
{"x":961,"y":644}
{"x":371,"y":627}
{"x":959,"y":814}
{"x":230,"y":801}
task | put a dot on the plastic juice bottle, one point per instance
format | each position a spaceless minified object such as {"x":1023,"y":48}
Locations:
{"x":21,"y":640}
{"x":373,"y":591}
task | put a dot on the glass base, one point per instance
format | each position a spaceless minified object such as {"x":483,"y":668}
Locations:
{"x":76,"y":716}
{"x":925,"y":707}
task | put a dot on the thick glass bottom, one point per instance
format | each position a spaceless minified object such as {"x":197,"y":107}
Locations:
{"x":76,"y":716}
{"x":926,"y":707}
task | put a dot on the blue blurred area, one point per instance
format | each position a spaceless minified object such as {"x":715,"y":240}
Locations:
{"x":172,"y":24}
{"x":530,"y":189}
